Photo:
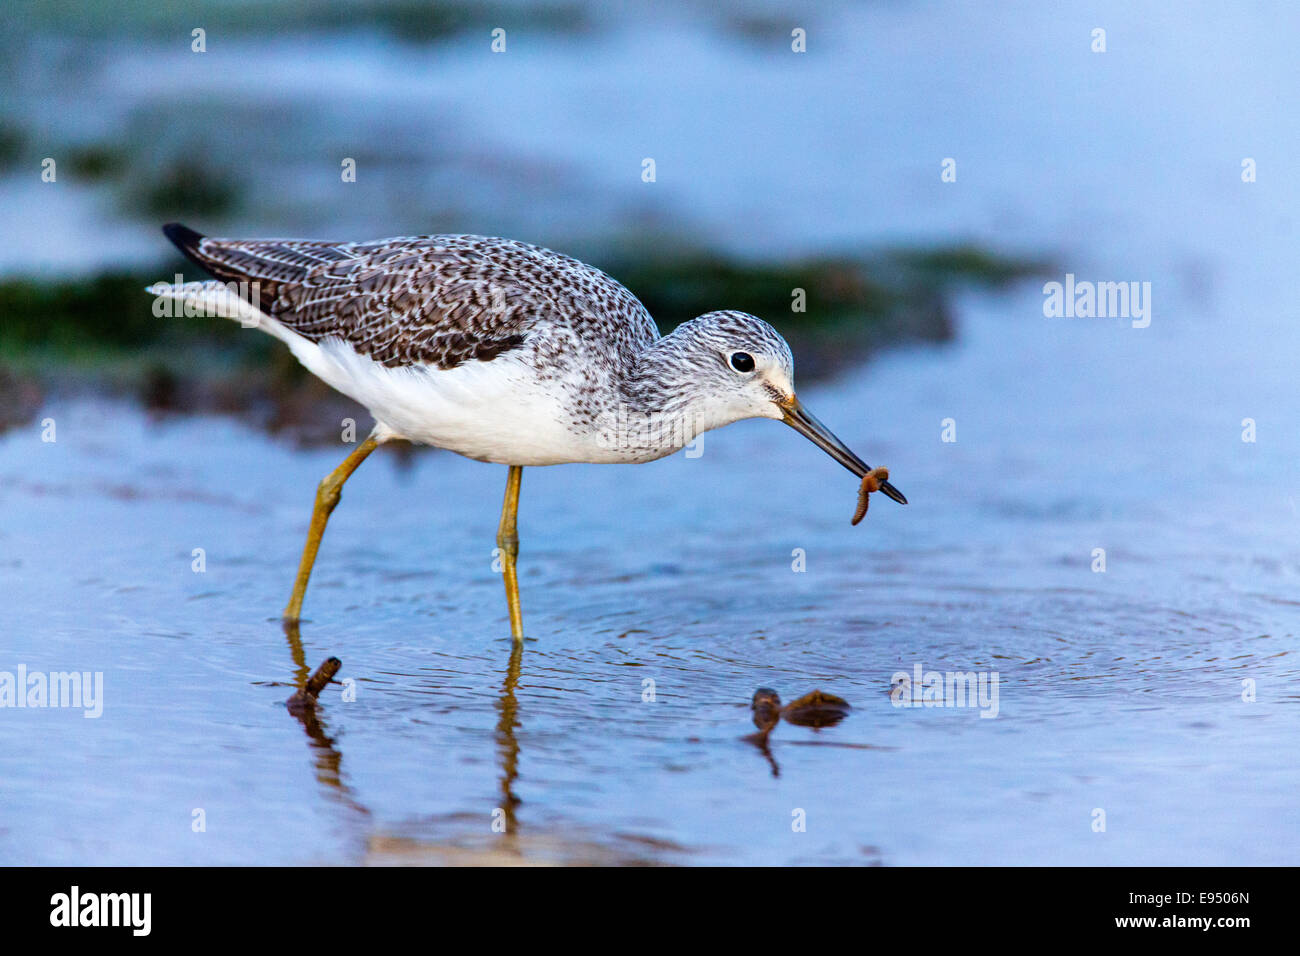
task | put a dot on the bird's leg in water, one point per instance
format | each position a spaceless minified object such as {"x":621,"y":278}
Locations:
{"x":327,"y":497}
{"x":508,"y":543}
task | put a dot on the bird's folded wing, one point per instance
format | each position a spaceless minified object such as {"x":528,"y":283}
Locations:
{"x":430,"y":300}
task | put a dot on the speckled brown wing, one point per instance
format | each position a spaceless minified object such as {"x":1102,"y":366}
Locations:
{"x":429,"y":300}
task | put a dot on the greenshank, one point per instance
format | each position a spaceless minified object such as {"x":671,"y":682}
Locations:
{"x":500,"y":351}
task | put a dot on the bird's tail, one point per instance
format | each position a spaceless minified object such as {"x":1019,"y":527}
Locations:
{"x":232,"y":298}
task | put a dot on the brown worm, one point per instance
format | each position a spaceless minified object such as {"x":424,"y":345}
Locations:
{"x":870,"y":482}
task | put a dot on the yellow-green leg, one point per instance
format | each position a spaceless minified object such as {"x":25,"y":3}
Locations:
{"x":327,"y":496}
{"x":508,"y":543}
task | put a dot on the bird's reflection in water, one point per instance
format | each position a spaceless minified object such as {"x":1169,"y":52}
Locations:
{"x":326,"y":756}
{"x":766,"y":706}
{"x":507,"y":742}
{"x":815,"y":710}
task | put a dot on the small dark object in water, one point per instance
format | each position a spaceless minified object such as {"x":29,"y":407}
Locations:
{"x":305,"y":699}
{"x":767,"y":708}
{"x":817,"y":709}
{"x":870,"y":482}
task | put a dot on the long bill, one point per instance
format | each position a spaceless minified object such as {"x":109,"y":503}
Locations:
{"x":803,"y":421}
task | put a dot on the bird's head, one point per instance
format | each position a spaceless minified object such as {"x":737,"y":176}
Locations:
{"x":744,"y":369}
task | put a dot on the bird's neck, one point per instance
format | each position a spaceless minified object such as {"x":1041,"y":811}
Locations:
{"x":652,"y":382}
{"x":661,"y":409}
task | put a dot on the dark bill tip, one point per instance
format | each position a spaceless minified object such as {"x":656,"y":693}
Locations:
{"x":891,"y":492}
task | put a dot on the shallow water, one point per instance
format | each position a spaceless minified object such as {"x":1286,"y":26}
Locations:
{"x":1118,"y":690}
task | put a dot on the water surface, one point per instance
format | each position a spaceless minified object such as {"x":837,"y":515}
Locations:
{"x":1120,"y":691}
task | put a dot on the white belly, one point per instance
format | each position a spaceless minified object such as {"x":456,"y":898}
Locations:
{"x":493,"y":411}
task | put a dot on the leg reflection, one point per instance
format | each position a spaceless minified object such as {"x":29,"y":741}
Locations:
{"x":766,"y":706}
{"x":507,"y":742}
{"x":328,"y":759}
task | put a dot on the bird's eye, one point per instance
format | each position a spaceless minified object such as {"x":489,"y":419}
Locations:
{"x":742,"y":361}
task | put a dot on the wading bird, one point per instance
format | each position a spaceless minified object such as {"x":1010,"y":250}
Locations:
{"x":497,"y":350}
